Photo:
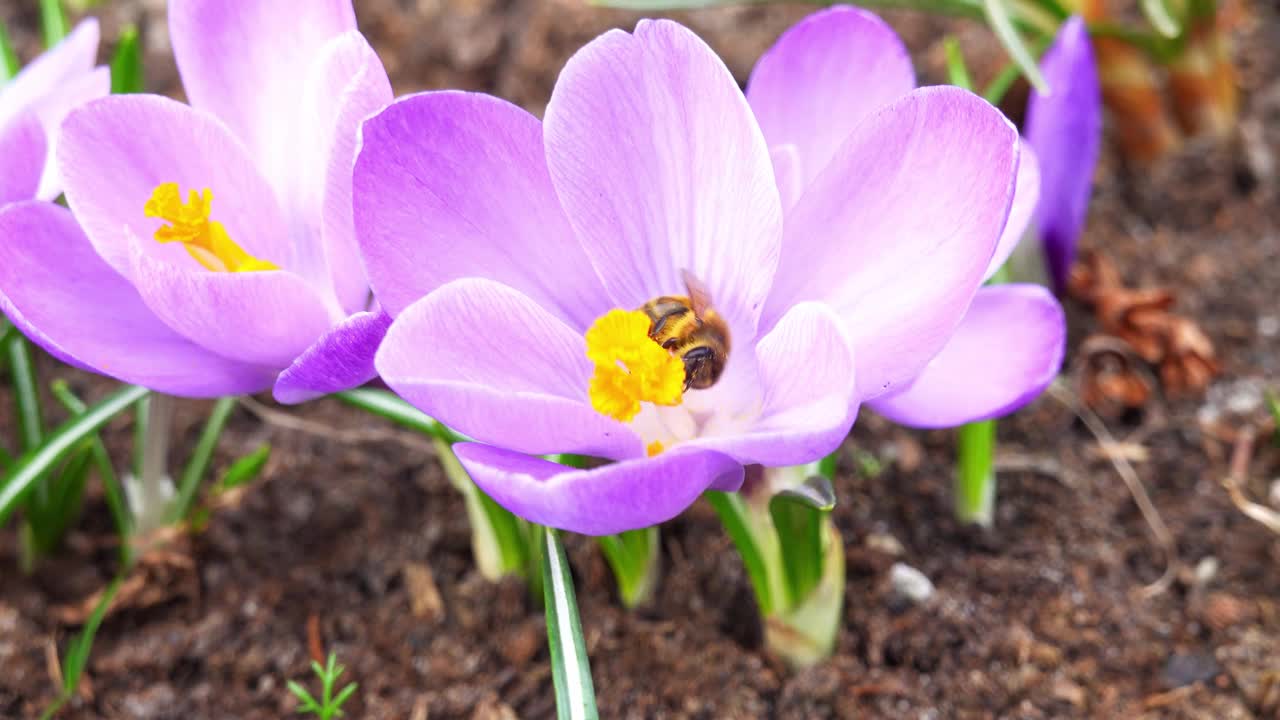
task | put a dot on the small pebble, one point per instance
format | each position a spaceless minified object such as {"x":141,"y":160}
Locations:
{"x":910,"y":583}
{"x":1187,"y":668}
{"x":884,"y":543}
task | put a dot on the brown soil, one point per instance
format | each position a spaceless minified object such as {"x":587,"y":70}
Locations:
{"x":1044,"y":617}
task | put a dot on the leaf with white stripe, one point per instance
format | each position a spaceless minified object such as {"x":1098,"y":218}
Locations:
{"x":575,"y":695}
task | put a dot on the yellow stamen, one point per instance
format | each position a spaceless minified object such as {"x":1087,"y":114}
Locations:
{"x":654,"y":448}
{"x":206,"y":240}
{"x":631,"y":367}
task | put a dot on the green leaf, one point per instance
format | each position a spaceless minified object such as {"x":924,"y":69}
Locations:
{"x":570,"y":670}
{"x":957,"y":71}
{"x":799,"y":526}
{"x":391,"y":407}
{"x":198,"y":463}
{"x":633,"y":555}
{"x":245,"y":469}
{"x":38,"y":461}
{"x":25,"y":394}
{"x":737,"y":521}
{"x":499,"y":542}
{"x":53,"y":22}
{"x":78,"y":648}
{"x":1158,"y":14}
{"x":1002,"y":24}
{"x":106,"y":473}
{"x":815,"y":492}
{"x":9,"y":66}
{"x":126,"y":63}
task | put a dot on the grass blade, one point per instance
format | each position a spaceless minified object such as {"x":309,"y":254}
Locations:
{"x":9,"y":65}
{"x":1001,"y":22}
{"x":26,"y":396}
{"x":38,"y":461}
{"x":126,"y":64}
{"x":733,"y":515}
{"x":1157,"y":13}
{"x":102,"y":461}
{"x":390,"y":406}
{"x":957,"y":71}
{"x":53,"y":22}
{"x":198,"y":464}
{"x":575,"y":694}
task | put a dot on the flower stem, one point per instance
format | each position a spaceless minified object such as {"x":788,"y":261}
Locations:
{"x":154,"y":488}
{"x":636,"y":562}
{"x":975,"y":487}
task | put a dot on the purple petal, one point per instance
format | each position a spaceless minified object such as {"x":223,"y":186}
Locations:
{"x":346,"y":86}
{"x":787,"y":171}
{"x":71,"y":58}
{"x":245,"y":62}
{"x":451,"y":185}
{"x":491,"y":363}
{"x":620,"y":496}
{"x":823,"y":77}
{"x":340,"y":360}
{"x":264,"y":318}
{"x":51,"y":85}
{"x":56,"y":289}
{"x":807,"y":371}
{"x":1026,"y":193}
{"x":661,"y":168}
{"x":897,"y":232}
{"x":22,"y":158}
{"x":113,"y":154}
{"x":1005,"y":353}
{"x":1065,"y":129}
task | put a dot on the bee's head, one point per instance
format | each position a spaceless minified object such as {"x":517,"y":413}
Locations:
{"x":702,"y":367}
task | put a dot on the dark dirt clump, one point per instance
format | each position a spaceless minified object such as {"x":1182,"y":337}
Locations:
{"x":341,"y":543}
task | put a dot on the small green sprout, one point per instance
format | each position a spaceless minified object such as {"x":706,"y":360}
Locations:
{"x":330,"y":705}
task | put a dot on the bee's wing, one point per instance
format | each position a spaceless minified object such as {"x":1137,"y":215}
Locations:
{"x":699,"y":297}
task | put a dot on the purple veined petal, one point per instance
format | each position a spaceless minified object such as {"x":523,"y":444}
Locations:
{"x":451,"y":185}
{"x":53,"y":110}
{"x":1026,"y":193}
{"x":59,"y":292}
{"x":340,"y":360}
{"x":346,"y":86}
{"x":1007,"y":350}
{"x":661,"y":168}
{"x":787,"y":171}
{"x":806,"y":368}
{"x":897,"y":232}
{"x":245,"y":62}
{"x":1065,"y":129}
{"x":264,"y":318}
{"x":489,"y":362}
{"x":621,"y":496}
{"x":22,"y":157}
{"x":824,"y":76}
{"x":115,"y":151}
{"x":49,"y":73}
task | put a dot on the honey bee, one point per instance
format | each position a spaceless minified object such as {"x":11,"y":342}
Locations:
{"x":693,"y":331}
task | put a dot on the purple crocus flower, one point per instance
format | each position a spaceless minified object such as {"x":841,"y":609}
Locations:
{"x":1065,"y":128}
{"x":32,"y":106}
{"x":516,"y":257}
{"x":826,"y":82}
{"x":217,"y":254}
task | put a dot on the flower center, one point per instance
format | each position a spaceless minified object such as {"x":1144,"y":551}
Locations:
{"x":206,"y":240}
{"x":631,"y":367}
